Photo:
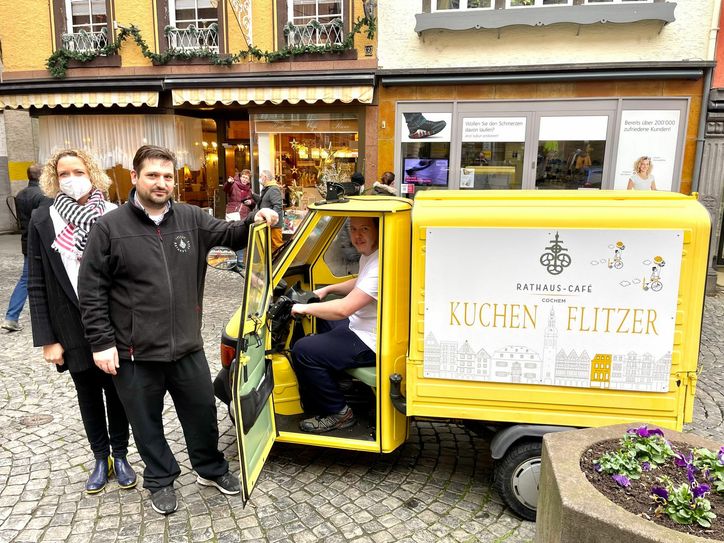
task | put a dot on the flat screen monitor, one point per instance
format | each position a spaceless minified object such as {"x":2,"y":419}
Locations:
{"x":426,"y":171}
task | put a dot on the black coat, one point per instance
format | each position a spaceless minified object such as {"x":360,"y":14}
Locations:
{"x":54,"y":310}
{"x":28,"y":199}
{"x":141,"y":285}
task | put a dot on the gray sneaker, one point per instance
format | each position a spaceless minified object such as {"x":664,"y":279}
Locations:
{"x":335,"y":421}
{"x":164,"y":500}
{"x":227,"y":483}
{"x":11,"y":326}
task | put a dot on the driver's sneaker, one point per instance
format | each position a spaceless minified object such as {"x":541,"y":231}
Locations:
{"x":227,"y":483}
{"x":335,"y":421}
{"x":164,"y":501}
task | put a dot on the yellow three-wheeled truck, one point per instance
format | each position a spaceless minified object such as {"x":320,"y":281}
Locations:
{"x":521,"y":313}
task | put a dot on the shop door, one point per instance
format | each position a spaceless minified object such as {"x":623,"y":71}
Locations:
{"x":253,"y":381}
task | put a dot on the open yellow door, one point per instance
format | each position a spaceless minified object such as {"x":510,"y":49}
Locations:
{"x":253,"y":381}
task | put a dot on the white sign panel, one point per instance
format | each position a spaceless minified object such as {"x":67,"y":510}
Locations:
{"x":433,"y":127}
{"x":651,"y":136}
{"x":565,"y":307}
{"x":573,"y":128}
{"x":505,"y":129}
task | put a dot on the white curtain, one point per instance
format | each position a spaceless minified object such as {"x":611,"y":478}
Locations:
{"x":114,"y":139}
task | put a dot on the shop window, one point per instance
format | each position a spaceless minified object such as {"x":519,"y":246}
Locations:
{"x":85,"y":24}
{"x":315,"y":22}
{"x":306,"y":150}
{"x":571,"y":152}
{"x":492,"y":152}
{"x":425,"y":151}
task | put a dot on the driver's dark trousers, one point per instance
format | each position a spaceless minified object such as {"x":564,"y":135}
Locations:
{"x":142,"y":387}
{"x":318,"y":359}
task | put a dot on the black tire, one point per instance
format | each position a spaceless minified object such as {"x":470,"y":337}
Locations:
{"x":516,"y":474}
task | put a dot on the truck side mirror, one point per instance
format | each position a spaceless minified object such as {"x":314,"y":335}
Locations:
{"x":222,"y":258}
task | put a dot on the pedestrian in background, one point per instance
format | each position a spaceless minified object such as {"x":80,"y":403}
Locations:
{"x":57,"y":237}
{"x":271,"y":197}
{"x":28,"y":199}
{"x":384,"y":187}
{"x":141,"y":294}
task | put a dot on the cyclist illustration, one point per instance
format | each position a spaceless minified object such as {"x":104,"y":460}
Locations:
{"x":654,"y":283}
{"x":617,"y":261}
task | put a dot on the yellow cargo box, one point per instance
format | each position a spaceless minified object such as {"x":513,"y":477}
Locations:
{"x":578,"y":308}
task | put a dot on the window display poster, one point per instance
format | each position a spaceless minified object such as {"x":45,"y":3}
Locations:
{"x":647,"y":141}
{"x":423,"y":127}
{"x":505,"y":129}
{"x":576,"y":307}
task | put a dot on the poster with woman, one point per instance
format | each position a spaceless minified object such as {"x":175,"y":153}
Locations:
{"x":647,"y":147}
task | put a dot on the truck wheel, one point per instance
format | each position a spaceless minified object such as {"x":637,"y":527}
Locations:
{"x":517,"y":476}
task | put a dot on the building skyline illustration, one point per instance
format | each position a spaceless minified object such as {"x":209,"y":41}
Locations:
{"x":552,"y":365}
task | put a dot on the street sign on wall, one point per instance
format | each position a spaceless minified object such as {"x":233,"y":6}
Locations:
{"x":566,"y":307}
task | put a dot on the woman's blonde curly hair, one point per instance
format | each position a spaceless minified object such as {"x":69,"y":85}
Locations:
{"x":638,"y":162}
{"x":49,"y":183}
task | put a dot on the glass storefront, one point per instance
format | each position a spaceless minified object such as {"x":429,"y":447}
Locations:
{"x":304,"y":150}
{"x":538,"y":144}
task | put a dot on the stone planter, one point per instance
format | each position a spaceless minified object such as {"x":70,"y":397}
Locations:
{"x":571,"y":510}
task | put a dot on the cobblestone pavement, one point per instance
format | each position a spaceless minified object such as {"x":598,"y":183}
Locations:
{"x":435,"y":488}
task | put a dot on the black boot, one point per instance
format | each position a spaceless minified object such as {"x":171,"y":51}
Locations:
{"x":98,"y":477}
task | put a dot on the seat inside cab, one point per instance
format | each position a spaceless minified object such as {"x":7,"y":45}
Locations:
{"x":326,"y":257}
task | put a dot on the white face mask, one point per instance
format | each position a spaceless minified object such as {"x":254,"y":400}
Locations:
{"x":76,"y":186}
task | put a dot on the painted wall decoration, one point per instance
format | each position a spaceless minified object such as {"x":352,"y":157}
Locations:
{"x":647,"y":136}
{"x":566,"y":307}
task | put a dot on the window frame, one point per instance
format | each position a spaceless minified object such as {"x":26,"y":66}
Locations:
{"x":63,"y":22}
{"x":163,"y":16}
{"x":284,"y":9}
{"x":463,"y":7}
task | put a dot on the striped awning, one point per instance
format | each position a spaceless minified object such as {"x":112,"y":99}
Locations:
{"x":79,"y":99}
{"x":275,"y":95}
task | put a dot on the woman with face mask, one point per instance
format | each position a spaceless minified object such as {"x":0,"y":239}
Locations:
{"x":57,"y":237}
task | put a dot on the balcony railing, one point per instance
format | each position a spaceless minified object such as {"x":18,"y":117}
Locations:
{"x":315,"y":33}
{"x":84,"y":41}
{"x":192,"y":38}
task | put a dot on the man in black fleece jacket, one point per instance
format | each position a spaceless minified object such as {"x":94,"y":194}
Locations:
{"x":141,"y":286}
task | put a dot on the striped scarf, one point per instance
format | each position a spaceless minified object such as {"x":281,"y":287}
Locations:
{"x":79,"y":219}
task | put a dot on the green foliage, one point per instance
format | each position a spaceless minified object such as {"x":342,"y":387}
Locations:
{"x":57,"y":63}
{"x":683,"y":506}
{"x":620,"y":462}
{"x":652,"y":448}
{"x":710,"y":462}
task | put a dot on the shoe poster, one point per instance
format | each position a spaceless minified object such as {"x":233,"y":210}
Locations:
{"x":432,"y":127}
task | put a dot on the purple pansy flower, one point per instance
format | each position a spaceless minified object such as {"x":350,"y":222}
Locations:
{"x":683,"y":461}
{"x":699,"y":490}
{"x":621,"y":479}
{"x":646,"y":466}
{"x":643,"y":431}
{"x":720,"y":455}
{"x":690,"y":471}
{"x":598,"y":468}
{"x":660,"y":492}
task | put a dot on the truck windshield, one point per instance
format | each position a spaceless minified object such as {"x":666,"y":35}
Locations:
{"x":310,"y":244}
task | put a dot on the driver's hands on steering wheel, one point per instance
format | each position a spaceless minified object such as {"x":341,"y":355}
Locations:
{"x":321,"y":293}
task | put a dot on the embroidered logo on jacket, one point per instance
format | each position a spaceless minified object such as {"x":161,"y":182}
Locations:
{"x":182,"y":243}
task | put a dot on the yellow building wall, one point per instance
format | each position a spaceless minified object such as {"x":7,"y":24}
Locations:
{"x":26,"y":33}
{"x":142,"y":14}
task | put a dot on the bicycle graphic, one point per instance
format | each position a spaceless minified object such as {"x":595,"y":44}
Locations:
{"x":654,"y":283}
{"x":617,"y":261}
